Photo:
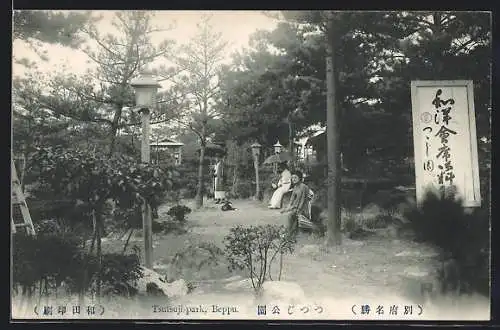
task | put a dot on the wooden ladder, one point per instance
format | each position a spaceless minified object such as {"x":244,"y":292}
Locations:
{"x":20,"y":216}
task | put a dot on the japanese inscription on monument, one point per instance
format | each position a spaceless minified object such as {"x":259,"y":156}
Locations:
{"x":444,"y":136}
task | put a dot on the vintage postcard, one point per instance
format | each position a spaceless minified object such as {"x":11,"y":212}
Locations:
{"x":251,"y":165}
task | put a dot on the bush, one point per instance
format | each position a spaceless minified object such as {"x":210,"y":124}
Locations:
{"x":255,"y":248}
{"x":179,"y":212}
{"x":461,"y":237}
{"x":47,"y":260}
{"x":381,"y":220}
{"x":350,"y":221}
{"x":197,"y":258}
{"x":119,"y":273}
{"x":173,"y":227}
{"x":44,"y":261}
{"x":187,"y":180}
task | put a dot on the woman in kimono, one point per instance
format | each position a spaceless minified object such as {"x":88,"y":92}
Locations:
{"x":219,"y":187}
{"x":281,"y":188}
{"x":298,"y":203}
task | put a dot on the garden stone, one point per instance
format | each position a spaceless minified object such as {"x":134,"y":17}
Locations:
{"x":351,"y":242}
{"x":418,"y":254}
{"x":282,"y":291}
{"x":177,"y":288}
{"x":232,"y":278}
{"x":238,"y":285}
{"x":415,"y":272}
{"x":153,"y":279}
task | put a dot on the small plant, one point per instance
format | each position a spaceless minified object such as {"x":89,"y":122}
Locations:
{"x":382,"y":220}
{"x":350,"y":221}
{"x":195,"y":260}
{"x":198,"y":255}
{"x":179,"y":212}
{"x":255,"y":248}
{"x":119,"y":274}
{"x":191,"y":287}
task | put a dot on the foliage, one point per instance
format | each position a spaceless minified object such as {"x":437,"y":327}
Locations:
{"x":196,"y":259}
{"x":245,"y":189}
{"x":51,"y":27}
{"x":95,"y":178}
{"x":199,"y":61}
{"x":174,"y":227}
{"x":119,"y":273}
{"x":255,"y":248}
{"x":179,"y":212}
{"x":187,"y":180}
{"x":191,"y":253}
{"x":62,"y":226}
{"x":462,"y":237}
{"x":84,"y":102}
{"x":42,"y":258}
{"x":379,"y":53}
{"x":49,"y":259}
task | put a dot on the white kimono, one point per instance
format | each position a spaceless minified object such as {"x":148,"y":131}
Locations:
{"x":283,"y":186}
{"x":219,"y":189}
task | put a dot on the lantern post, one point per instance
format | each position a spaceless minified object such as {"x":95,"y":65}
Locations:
{"x":256,"y":153}
{"x":146,"y":87}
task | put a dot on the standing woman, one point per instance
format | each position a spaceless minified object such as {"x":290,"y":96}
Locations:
{"x":219,"y":186}
{"x":282,"y":187}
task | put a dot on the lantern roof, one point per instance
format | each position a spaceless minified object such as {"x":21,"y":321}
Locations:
{"x":278,"y":144}
{"x":146,"y":79}
{"x":256,"y":145}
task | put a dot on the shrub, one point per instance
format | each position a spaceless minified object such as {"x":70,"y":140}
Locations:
{"x":179,"y":212}
{"x":462,"y":237}
{"x":173,"y":227}
{"x":381,"y":220}
{"x":44,"y":261}
{"x":119,"y":273}
{"x":196,"y":257}
{"x":47,"y":260}
{"x":245,"y":189}
{"x":255,"y":248}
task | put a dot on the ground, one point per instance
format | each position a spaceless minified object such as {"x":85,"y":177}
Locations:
{"x":380,"y":270}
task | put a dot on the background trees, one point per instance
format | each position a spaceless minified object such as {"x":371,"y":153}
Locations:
{"x":274,"y":89}
{"x":199,"y":62}
{"x":379,"y":54}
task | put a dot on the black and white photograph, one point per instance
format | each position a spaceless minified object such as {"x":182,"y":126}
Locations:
{"x":250,"y":165}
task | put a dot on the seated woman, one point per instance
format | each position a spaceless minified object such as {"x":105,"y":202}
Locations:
{"x":298,"y":203}
{"x":281,"y":188}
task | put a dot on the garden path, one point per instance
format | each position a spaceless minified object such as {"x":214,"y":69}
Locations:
{"x":359,"y":272}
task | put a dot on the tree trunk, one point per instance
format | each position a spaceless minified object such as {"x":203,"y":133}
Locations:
{"x":114,"y":128}
{"x":291,"y":146}
{"x":199,"y":189}
{"x":22,"y":170}
{"x":234,"y":187}
{"x":99,"y":227}
{"x":81,"y":294}
{"x":257,"y":179}
{"x":127,"y":241}
{"x":333,"y":140}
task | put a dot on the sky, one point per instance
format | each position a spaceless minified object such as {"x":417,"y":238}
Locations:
{"x":235,"y":26}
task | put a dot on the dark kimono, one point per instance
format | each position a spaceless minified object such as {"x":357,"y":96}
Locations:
{"x":299,"y":206}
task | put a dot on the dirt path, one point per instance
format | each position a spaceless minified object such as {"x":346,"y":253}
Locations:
{"x":359,"y":272}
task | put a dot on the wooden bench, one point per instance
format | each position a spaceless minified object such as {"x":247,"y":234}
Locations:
{"x":306,"y":221}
